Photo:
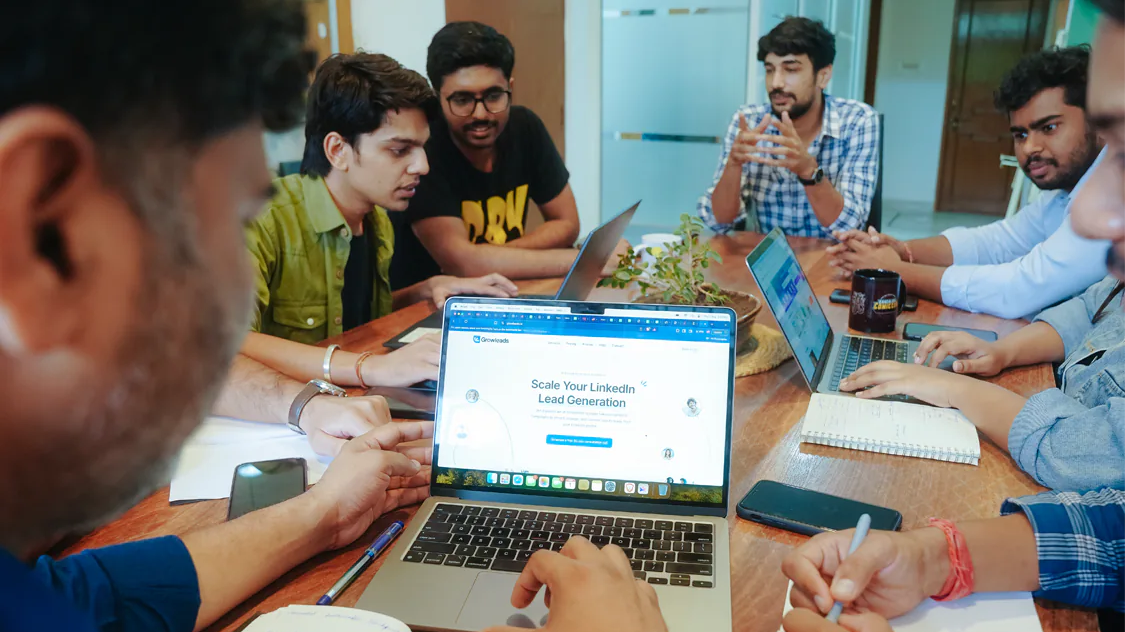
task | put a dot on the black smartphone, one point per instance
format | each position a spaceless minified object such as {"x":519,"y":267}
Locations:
{"x":807,"y":512}
{"x":263,"y":483}
{"x":918,"y":331}
{"x":407,"y":403}
{"x":845,"y":297}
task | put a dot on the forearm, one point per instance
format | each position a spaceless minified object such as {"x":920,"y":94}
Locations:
{"x":256,"y":392}
{"x":472,"y":260}
{"x":407,"y":296}
{"x":299,"y":361}
{"x":931,"y":251}
{"x":725,"y":199}
{"x":921,"y":280}
{"x":1002,"y":550}
{"x":991,"y":408}
{"x":236,"y":559}
{"x":554,"y":233}
{"x":1034,"y":344}
{"x":827,"y":203}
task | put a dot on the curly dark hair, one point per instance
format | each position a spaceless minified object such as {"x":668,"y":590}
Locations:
{"x":1113,"y":9}
{"x":134,"y":71}
{"x":351,"y":95}
{"x":800,"y":36}
{"x":1052,"y":68}
{"x":463,"y":44}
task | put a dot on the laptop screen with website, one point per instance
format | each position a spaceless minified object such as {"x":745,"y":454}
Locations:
{"x":791,"y":300}
{"x":629,"y":404}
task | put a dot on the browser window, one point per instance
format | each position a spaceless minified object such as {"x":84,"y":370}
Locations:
{"x":631,"y":402}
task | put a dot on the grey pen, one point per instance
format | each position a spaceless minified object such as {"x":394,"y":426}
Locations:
{"x":381,"y":543}
{"x":861,"y":529}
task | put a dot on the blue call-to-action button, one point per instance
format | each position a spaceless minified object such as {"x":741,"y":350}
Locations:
{"x":584,"y":442}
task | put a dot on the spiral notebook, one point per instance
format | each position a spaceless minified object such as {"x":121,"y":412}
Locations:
{"x":891,"y":428}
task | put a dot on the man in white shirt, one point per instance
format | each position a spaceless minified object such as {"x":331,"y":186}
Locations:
{"x":1033,"y":259}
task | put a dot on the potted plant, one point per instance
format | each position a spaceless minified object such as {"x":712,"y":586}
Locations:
{"x":673,"y":275}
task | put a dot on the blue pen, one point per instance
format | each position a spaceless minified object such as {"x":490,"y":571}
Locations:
{"x":381,"y":543}
{"x":861,"y":529}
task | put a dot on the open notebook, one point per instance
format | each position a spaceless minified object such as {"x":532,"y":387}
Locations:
{"x":324,"y":619}
{"x":891,"y":427}
{"x":984,"y":612}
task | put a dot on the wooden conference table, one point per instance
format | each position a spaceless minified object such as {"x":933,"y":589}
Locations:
{"x":766,"y":445}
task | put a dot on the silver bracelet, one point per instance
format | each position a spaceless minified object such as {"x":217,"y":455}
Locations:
{"x":328,"y":362}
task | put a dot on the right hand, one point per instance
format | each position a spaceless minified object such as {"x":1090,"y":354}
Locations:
{"x":330,"y":421}
{"x":889,"y":574}
{"x":588,"y":590}
{"x":973,"y":354}
{"x":621,"y":250}
{"x":416,"y":362}
{"x":745,"y":144}
{"x":870,"y":237}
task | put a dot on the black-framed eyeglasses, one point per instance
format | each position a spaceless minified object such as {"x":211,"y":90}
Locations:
{"x":464,"y":104}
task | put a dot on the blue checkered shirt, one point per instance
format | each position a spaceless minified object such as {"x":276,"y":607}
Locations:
{"x":1081,"y":544}
{"x":847,"y":149}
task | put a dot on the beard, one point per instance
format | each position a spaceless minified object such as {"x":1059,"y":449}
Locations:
{"x":796,"y":111}
{"x":123,"y":428}
{"x":1071,"y":171}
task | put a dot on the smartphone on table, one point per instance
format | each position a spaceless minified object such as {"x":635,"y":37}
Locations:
{"x":844,"y":297}
{"x":918,"y":331}
{"x":809,"y":512}
{"x":407,"y":403}
{"x":260,"y":484}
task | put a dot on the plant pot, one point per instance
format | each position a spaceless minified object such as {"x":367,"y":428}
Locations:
{"x":745,"y":306}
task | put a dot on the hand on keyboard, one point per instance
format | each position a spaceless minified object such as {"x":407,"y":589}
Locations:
{"x":880,"y":379}
{"x":589,"y":590}
{"x":973,"y":354}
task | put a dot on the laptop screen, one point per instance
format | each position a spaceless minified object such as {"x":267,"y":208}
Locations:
{"x":791,"y":300}
{"x":584,"y":400}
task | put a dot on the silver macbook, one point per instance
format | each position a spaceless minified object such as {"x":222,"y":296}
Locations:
{"x":824,"y":357}
{"x":558,"y":418}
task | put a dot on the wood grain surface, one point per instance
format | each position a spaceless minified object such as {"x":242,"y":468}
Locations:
{"x":766,"y":445}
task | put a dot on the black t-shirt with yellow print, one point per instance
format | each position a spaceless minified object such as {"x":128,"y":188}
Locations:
{"x":493,"y":205}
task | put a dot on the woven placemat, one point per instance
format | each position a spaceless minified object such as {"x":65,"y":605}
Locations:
{"x":765,"y":350}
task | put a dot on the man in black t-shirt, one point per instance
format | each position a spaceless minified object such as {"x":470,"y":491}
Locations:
{"x":488,"y":161}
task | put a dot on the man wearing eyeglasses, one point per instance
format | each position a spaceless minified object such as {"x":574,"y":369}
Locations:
{"x":489,"y":160}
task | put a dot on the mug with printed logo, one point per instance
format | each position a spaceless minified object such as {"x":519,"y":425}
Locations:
{"x":877,"y":300}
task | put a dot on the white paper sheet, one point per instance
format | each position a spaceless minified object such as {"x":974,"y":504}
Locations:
{"x":325,"y":619}
{"x":208,"y":459}
{"x":984,"y":612}
{"x":418,"y":333}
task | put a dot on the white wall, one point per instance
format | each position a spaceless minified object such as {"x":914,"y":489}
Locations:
{"x":399,"y":28}
{"x":914,"y":45}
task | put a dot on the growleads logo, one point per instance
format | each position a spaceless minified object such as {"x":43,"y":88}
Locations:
{"x":886,"y":303}
{"x":479,"y":339}
{"x":476,"y":338}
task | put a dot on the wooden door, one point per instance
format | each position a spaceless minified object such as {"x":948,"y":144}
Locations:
{"x":989,"y":37}
{"x":318,"y":36}
{"x":536,"y":30}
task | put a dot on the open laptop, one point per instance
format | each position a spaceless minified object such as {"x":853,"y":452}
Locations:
{"x":558,"y":418}
{"x":580,"y":280}
{"x":824,"y":357}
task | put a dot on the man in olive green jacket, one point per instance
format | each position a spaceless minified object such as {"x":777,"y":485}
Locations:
{"x":322,"y":253}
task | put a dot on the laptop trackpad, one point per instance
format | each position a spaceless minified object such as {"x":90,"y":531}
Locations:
{"x":490,"y":603}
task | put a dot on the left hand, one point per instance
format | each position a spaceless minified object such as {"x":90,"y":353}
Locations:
{"x":372,"y":475}
{"x":416,"y":362}
{"x":789,"y":149}
{"x":888,"y":377}
{"x":802,"y":620}
{"x":854,"y":255}
{"x":442,"y":287}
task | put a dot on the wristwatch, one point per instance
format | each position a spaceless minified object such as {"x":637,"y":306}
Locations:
{"x":817,"y":176}
{"x":311,"y":390}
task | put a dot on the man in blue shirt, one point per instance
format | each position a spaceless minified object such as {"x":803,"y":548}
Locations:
{"x":806,"y":161}
{"x":1018,"y":266}
{"x":130,"y":157}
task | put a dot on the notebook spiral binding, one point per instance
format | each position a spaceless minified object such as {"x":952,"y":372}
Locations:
{"x":890,"y":447}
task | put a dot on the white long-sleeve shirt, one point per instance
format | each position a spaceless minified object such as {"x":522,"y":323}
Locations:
{"x":1019,"y":266}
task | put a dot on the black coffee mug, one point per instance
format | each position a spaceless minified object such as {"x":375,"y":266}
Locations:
{"x":877,"y":300}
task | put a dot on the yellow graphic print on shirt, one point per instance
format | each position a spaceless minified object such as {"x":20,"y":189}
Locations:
{"x":503,"y":220}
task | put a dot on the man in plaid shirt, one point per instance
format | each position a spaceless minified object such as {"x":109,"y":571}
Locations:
{"x":806,"y":161}
{"x":1064,"y":546}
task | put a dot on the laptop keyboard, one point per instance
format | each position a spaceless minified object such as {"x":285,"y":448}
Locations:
{"x":856,"y":352}
{"x":662,"y":552}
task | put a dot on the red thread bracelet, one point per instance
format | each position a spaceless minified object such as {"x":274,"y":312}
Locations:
{"x":961,"y":579}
